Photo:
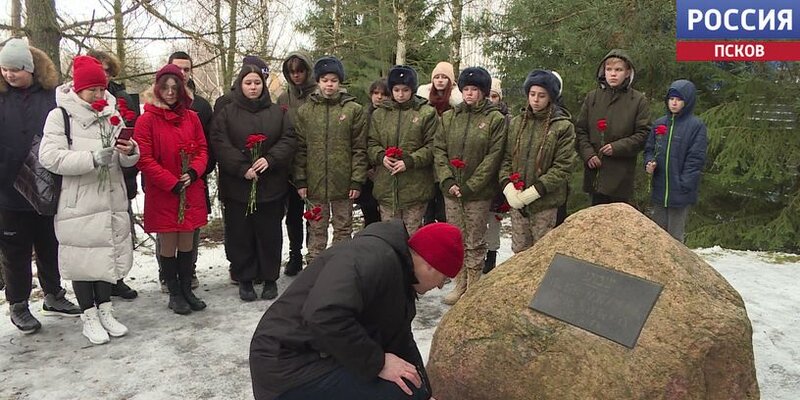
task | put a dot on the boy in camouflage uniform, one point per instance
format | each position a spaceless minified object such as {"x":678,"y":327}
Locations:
{"x":403,"y":182}
{"x":467,"y":152}
{"x":331,"y":160}
{"x":539,"y":157}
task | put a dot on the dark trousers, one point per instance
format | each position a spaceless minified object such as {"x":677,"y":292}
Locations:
{"x":435,"y":211}
{"x":561,"y":215}
{"x":599,"y":198}
{"x":368,"y":204}
{"x":253,"y":243}
{"x":21,"y":232}
{"x":91,"y":293}
{"x":294,"y":221}
{"x":340,"y":384}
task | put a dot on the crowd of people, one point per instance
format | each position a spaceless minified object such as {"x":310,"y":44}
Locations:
{"x":440,"y":164}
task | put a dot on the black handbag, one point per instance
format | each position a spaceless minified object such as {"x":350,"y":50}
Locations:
{"x":36,"y":184}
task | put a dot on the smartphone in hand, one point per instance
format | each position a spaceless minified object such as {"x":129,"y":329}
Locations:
{"x":125,"y":134}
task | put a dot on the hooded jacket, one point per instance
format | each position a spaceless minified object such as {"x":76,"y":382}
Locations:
{"x":680,"y":154}
{"x":161,"y":133}
{"x":477,"y":136}
{"x":236,"y":121}
{"x":354,"y":303}
{"x":331,"y":156}
{"x":544,"y":160}
{"x":412,"y":127}
{"x":296,"y":95}
{"x":92,"y":223}
{"x":22,"y":117}
{"x":627,"y":116}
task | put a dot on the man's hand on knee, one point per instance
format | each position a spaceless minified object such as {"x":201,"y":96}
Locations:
{"x":395,"y":369}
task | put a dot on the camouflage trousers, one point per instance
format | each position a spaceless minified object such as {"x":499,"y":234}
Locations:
{"x":525,"y":231}
{"x":342,"y":221}
{"x":411,"y":216}
{"x":471,"y":219}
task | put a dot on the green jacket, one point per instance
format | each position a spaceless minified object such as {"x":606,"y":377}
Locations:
{"x":477,"y":136}
{"x":331,"y":156}
{"x":543,"y":161}
{"x":410,"y":126}
{"x":627,"y":116}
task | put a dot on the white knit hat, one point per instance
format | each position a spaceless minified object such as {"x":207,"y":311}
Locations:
{"x":497,"y":87}
{"x":16,"y":54}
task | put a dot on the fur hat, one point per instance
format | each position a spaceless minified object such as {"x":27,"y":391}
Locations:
{"x":475,"y":76}
{"x":497,"y":87}
{"x":328,"y":65}
{"x":402,"y":75}
{"x":545,"y":79}
{"x":444,"y":68}
{"x":17,"y":54}
{"x":441,"y":245}
{"x":87,"y":73}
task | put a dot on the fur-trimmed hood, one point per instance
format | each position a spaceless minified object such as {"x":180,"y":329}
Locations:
{"x":45,"y":71}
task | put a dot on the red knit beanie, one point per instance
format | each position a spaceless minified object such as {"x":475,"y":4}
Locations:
{"x":441,"y":245}
{"x":87,"y":73}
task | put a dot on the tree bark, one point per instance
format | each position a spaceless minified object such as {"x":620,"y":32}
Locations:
{"x":16,"y":18}
{"x":402,"y":31}
{"x":263,"y":48}
{"x":43,"y":30}
{"x":337,"y":25}
{"x":119,"y":33}
{"x":220,"y":45}
{"x":231,"y":54}
{"x":455,"y":38}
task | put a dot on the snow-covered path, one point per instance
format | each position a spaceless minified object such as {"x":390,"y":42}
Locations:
{"x":204,"y":355}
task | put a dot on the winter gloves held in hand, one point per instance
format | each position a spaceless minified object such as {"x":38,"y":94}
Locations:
{"x":102,"y":157}
{"x":519,"y":199}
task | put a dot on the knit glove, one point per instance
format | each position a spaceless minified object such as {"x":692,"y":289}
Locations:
{"x":529,"y":195}
{"x":102,"y":157}
{"x":512,"y":196}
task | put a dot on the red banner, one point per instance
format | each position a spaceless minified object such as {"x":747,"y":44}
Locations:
{"x":724,"y":50}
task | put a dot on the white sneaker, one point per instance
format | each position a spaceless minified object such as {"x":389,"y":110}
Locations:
{"x":111,"y":325}
{"x":92,"y":328}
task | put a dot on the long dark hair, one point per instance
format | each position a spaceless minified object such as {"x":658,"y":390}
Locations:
{"x":184,"y":100}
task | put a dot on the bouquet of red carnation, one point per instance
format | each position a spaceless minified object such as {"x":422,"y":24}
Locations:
{"x":106,"y":135}
{"x":502,"y":209}
{"x":602,"y":125}
{"x":124,"y":111}
{"x":253,"y":144}
{"x":188,"y":151}
{"x":313,"y":213}
{"x":516,"y":179}
{"x":459,"y":165}
{"x":394,"y":152}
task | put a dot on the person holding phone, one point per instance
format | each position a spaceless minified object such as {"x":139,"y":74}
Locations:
{"x":92,"y":224}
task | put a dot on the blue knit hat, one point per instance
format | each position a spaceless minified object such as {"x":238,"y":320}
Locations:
{"x":674,"y":93}
{"x":328,"y":65}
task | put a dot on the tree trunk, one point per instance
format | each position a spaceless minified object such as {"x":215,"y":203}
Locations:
{"x":43,"y":29}
{"x":455,"y":38}
{"x":16,"y":18}
{"x":119,"y":33}
{"x":263,"y":48}
{"x":402,"y":31}
{"x":223,"y":65}
{"x":337,"y":25}
{"x":234,"y":5}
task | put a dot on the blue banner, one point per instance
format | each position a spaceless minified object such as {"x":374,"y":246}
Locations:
{"x":738,"y":19}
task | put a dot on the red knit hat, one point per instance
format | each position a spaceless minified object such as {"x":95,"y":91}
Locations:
{"x":441,"y":245}
{"x":87,"y":72}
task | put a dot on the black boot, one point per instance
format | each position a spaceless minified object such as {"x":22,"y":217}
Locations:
{"x":270,"y":290}
{"x":177,"y":303}
{"x":22,"y":318}
{"x":490,"y":261}
{"x":246,"y":291}
{"x":295,"y":264}
{"x":185,"y":269}
{"x":120,"y":289}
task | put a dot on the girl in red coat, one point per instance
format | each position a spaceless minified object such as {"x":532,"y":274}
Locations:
{"x":173,"y":154}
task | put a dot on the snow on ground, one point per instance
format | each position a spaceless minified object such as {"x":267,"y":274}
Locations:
{"x":205,"y":355}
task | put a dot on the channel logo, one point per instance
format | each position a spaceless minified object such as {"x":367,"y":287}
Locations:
{"x":743,"y":30}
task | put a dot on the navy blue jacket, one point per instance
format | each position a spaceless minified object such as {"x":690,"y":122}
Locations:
{"x":680,"y":154}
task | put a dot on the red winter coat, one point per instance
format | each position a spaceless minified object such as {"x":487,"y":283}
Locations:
{"x":161,"y":133}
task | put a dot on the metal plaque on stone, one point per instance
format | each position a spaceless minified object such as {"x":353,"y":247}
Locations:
{"x":608,"y":303}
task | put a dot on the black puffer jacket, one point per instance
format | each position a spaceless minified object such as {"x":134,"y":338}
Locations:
{"x":354,"y":303}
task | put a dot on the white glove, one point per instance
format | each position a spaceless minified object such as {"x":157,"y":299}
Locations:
{"x":102,"y":157}
{"x":512,"y":196}
{"x":529,"y":195}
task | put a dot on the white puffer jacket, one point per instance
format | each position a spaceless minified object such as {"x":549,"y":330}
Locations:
{"x":92,"y":223}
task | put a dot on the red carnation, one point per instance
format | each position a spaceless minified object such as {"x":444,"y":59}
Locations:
{"x":602,"y":125}
{"x":122,"y":103}
{"x":254,"y":140}
{"x":515,"y":177}
{"x":519,"y":185}
{"x":129,"y":115}
{"x":661,"y":130}
{"x":308,"y":215}
{"x":394,"y":152}
{"x":99,"y":105}
{"x":114,"y":120}
{"x":504,"y":208}
{"x":458,"y":163}
{"x":316,"y":210}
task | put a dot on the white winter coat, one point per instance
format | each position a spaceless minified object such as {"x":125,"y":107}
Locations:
{"x":455,"y":95}
{"x":92,"y":223}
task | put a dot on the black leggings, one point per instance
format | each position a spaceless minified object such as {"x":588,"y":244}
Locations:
{"x":91,"y":293}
